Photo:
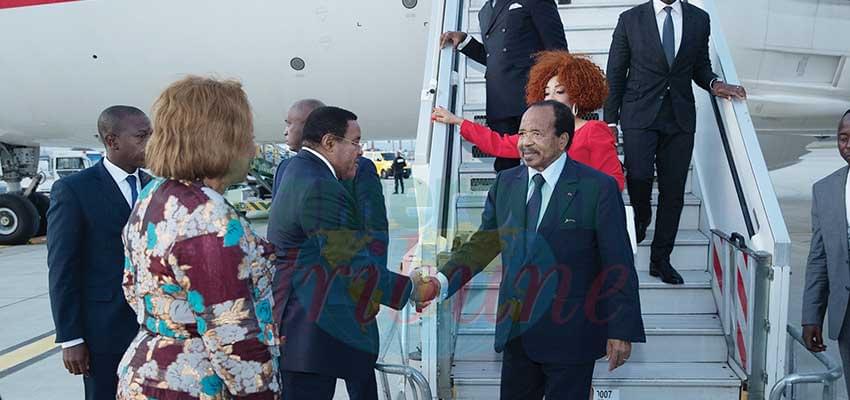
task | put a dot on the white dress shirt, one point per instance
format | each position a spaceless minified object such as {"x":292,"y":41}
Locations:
{"x":676,"y":15}
{"x":120,"y":178}
{"x":847,"y":203}
{"x":551,"y":175}
{"x":321,"y":157}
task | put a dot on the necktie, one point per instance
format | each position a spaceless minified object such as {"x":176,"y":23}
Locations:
{"x":134,"y":192}
{"x":532,"y":211}
{"x":668,"y":38}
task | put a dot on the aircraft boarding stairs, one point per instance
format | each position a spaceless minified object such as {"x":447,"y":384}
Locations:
{"x":687,"y":353}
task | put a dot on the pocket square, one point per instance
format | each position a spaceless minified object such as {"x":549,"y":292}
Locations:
{"x":569,"y":221}
{"x":514,"y":6}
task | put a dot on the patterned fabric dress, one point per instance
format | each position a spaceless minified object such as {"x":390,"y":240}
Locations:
{"x":200,"y":281}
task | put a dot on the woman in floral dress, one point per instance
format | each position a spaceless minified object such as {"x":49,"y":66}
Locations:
{"x":198,"y":277}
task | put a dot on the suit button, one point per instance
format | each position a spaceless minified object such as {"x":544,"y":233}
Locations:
{"x":488,"y":54}
{"x":660,"y":97}
{"x":487,"y":36}
{"x":504,"y":50}
{"x":504,"y":29}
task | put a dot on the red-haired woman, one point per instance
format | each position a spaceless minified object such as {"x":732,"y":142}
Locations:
{"x":569,"y":79}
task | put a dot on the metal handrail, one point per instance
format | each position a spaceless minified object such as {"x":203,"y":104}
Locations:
{"x":827,"y":378}
{"x":733,"y":169}
{"x":422,"y":390}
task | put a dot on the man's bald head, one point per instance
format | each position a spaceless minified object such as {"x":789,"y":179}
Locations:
{"x":113,"y":120}
{"x":844,"y":136}
{"x":295,"y":119}
{"x":124,"y":131}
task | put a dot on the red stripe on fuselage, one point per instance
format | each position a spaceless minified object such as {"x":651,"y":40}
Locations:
{"x":28,"y":3}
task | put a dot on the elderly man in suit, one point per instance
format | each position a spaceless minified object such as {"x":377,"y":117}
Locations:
{"x":332,"y":275}
{"x":658,"y":48}
{"x":512,"y":31}
{"x":85,"y":254}
{"x":569,"y":290}
{"x":828,"y":270}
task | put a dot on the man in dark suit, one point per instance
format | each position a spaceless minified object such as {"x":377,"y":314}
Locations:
{"x":85,"y":254}
{"x":657,"y":49}
{"x":366,"y":187}
{"x":332,"y":275}
{"x":512,"y":31}
{"x":569,"y":289}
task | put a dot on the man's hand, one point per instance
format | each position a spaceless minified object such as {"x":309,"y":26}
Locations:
{"x":452,"y":38}
{"x":425,"y":288}
{"x":813,"y":337}
{"x":619,"y":352}
{"x":444,"y":116}
{"x":728,"y":92}
{"x":76,"y":359}
{"x":615,"y":131}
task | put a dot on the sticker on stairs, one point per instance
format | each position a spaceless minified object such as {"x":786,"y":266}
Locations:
{"x":606,"y":394}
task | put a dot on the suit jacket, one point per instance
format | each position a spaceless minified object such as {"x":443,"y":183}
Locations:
{"x":85,"y":257}
{"x":511,"y":38}
{"x":828,"y":268}
{"x":638,"y":74}
{"x":368,"y":198}
{"x":577,"y":287}
{"x":332,"y":274}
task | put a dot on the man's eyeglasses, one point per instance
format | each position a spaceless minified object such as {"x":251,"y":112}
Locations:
{"x":357,"y":143}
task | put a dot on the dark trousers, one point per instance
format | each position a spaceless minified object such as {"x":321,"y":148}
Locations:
{"x":399,"y":180}
{"x":102,"y":381}
{"x":525,"y":379}
{"x":309,"y":386}
{"x":505,"y":126}
{"x":666,"y":148}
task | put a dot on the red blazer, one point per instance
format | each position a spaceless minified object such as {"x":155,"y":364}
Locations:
{"x":593,"y":145}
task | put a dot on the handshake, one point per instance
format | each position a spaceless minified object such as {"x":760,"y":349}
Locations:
{"x":425,"y":288}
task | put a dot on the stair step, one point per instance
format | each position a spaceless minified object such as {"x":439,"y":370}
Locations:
{"x":670,"y":338}
{"x":693,"y":297}
{"x":634,"y":380}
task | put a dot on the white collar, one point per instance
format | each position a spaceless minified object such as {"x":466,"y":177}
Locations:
{"x":659,"y":5}
{"x":321,"y":157}
{"x":552,"y":172}
{"x":118,"y":174}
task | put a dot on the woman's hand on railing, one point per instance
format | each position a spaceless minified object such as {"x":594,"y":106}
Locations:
{"x":813,"y":338}
{"x":444,"y":116}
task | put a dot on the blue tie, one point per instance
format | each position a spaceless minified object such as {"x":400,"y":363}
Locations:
{"x":134,"y":192}
{"x":668,"y":38}
{"x":532,"y":211}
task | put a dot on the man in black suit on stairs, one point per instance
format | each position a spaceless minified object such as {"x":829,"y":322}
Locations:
{"x":658,"y":48}
{"x":85,"y":254}
{"x":512,"y":31}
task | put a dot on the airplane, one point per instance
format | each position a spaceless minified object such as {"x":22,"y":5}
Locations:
{"x":66,"y":60}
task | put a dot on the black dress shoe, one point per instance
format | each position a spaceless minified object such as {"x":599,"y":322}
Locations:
{"x":666,"y":272}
